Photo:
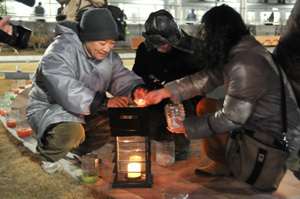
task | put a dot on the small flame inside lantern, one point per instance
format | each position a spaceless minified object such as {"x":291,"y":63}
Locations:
{"x":134,"y":167}
{"x":140,"y":102}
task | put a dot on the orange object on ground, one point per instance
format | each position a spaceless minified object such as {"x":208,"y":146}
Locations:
{"x":2,"y":112}
{"x":24,"y":132}
{"x":11,"y":123}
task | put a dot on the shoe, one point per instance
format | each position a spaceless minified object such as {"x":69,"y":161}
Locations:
{"x":296,"y":174}
{"x":199,"y":172}
{"x":214,"y":169}
{"x":52,"y":167}
{"x":77,"y":157}
{"x":183,"y":155}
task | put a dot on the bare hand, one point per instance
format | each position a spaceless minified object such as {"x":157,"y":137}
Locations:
{"x":118,"y":102}
{"x":139,"y":95}
{"x":178,"y":130}
{"x":5,"y":26}
{"x":155,"y":96}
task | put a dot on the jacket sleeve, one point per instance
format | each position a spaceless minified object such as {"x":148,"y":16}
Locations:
{"x":139,"y":66}
{"x":199,"y":83}
{"x":240,"y":100}
{"x":123,"y":81}
{"x":58,"y":76}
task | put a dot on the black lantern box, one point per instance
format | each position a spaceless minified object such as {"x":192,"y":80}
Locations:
{"x":132,"y":158}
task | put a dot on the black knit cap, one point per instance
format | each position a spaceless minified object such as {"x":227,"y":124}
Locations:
{"x":97,"y":24}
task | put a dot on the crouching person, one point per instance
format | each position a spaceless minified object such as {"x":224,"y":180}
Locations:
{"x":67,"y":103}
{"x":244,"y":134}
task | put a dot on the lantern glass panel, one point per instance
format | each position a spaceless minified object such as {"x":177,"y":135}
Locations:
{"x":131,"y":158}
{"x":131,"y":143}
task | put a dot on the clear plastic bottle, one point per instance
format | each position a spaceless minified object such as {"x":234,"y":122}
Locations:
{"x":174,"y":111}
{"x":165,"y":153}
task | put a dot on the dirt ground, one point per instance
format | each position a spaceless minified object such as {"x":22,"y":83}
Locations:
{"x":7,"y":51}
{"x":21,"y":176}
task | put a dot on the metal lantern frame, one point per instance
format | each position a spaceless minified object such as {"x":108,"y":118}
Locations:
{"x":130,"y":127}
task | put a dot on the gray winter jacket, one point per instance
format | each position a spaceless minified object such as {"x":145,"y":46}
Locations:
{"x":68,"y":84}
{"x":253,"y":98}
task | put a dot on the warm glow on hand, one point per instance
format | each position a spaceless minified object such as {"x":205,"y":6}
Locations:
{"x":121,"y":101}
{"x":155,"y":96}
{"x":178,"y":130}
{"x":139,"y":95}
{"x":140,"y":102}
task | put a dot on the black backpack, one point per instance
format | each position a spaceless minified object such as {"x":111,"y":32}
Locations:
{"x":120,"y":18}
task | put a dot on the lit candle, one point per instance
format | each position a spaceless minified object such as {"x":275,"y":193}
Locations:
{"x":140,"y":102}
{"x":134,"y":167}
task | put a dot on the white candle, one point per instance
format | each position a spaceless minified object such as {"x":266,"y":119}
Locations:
{"x":134,"y":167}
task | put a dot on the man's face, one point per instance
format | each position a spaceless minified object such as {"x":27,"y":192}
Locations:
{"x":163,"y":48}
{"x":99,"y":49}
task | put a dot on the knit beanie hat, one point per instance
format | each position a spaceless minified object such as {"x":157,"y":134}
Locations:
{"x":97,"y":24}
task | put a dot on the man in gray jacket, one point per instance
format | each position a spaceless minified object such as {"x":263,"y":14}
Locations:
{"x":67,"y":103}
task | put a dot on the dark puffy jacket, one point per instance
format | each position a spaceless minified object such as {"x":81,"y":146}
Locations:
{"x":253,"y":96}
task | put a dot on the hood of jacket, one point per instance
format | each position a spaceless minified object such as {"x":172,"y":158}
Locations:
{"x":67,"y":27}
{"x":184,"y":44}
{"x":161,"y":28}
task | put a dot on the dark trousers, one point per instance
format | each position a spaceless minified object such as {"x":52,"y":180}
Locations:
{"x":213,"y":146}
{"x":63,"y":137}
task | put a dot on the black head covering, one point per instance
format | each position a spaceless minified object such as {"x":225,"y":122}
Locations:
{"x":98,"y":24}
{"x":27,"y":2}
{"x":161,"y":28}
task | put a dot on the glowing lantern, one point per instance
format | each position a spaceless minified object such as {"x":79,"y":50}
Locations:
{"x":130,"y":126}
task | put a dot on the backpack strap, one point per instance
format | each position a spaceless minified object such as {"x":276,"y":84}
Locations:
{"x":283,"y":100}
{"x":105,"y":4}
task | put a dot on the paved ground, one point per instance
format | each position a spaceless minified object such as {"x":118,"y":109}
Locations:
{"x":168,"y":182}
